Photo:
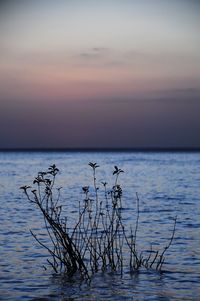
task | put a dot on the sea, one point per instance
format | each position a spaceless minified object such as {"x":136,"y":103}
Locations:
{"x":167,"y":184}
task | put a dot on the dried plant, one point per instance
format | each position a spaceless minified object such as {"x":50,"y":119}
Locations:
{"x":98,"y":240}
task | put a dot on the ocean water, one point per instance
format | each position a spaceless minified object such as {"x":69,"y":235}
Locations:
{"x":168,"y":185}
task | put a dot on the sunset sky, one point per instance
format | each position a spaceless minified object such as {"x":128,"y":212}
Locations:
{"x":100,"y":74}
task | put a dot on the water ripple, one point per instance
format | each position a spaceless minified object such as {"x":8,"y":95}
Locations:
{"x":168,"y":185}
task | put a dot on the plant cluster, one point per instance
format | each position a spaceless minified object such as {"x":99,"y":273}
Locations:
{"x":99,"y":239}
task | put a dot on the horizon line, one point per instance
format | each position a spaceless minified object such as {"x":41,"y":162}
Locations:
{"x":103,"y":149}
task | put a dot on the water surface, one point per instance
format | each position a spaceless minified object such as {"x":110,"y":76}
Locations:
{"x":168,"y":184}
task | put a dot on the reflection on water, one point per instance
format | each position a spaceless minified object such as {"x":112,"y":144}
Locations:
{"x":168,"y":184}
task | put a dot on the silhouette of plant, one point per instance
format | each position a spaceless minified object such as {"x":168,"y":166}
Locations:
{"x":98,"y":240}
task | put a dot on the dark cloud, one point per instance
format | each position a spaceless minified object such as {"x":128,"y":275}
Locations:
{"x":179,"y":94}
{"x":186,"y":91}
{"x":95,"y":52}
{"x":136,"y":123}
{"x":100,"y":49}
{"x":89,"y":55}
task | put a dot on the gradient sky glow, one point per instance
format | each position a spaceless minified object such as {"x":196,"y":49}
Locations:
{"x":99,"y":73}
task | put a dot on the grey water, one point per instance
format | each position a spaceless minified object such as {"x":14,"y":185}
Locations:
{"x":168,"y":185}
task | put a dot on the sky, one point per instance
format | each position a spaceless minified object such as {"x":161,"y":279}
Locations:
{"x":99,"y":74}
